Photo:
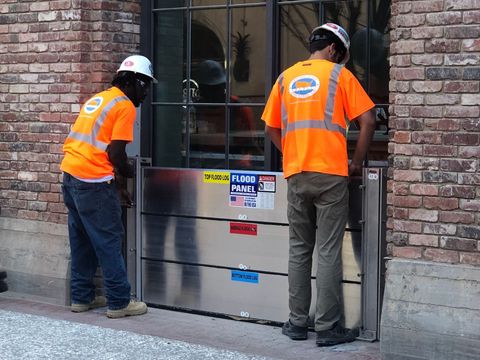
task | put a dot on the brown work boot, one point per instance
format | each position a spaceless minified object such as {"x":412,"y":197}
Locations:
{"x":132,"y":309}
{"x":98,"y":302}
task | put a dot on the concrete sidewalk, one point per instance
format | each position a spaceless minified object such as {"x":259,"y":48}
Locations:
{"x":32,"y":330}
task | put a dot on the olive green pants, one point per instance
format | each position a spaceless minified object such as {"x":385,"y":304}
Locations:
{"x":317,"y":212}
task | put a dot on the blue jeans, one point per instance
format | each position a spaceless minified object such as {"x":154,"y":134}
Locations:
{"x":96,"y":232}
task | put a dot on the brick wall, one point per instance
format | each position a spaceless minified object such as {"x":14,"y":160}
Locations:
{"x":434,"y":197}
{"x":53,"y":56}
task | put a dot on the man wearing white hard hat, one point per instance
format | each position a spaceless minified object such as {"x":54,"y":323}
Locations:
{"x":94,"y":156}
{"x":305,"y":118}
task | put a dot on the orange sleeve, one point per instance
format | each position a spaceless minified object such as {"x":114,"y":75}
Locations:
{"x":124,"y":122}
{"x":271,"y":114}
{"x":356,"y":100}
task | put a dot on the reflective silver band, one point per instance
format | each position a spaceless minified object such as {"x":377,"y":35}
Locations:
{"x":315,"y":124}
{"x":327,"y":122}
{"x":332,"y":91}
{"x":283,"y":110}
{"x":92,"y":137}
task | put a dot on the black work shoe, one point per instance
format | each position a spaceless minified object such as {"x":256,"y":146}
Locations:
{"x":3,"y":274}
{"x":294,"y":332}
{"x":337,"y":335}
{"x":3,"y":286}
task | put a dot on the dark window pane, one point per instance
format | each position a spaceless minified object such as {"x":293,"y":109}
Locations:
{"x":296,"y":23}
{"x":208,"y":2}
{"x":379,"y":52}
{"x":207,"y":137}
{"x":169,"y":55}
{"x":247,"y":1}
{"x":209,"y":36}
{"x":247,"y":69}
{"x":352,"y":15}
{"x":246,"y":138}
{"x":165,"y":4}
{"x":169,"y":123}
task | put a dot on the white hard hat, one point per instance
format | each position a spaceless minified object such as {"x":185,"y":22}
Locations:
{"x":138,"y":64}
{"x":338,"y":31}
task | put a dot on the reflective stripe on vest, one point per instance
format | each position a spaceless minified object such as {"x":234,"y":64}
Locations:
{"x":92,"y":137}
{"x":283,"y":110}
{"x":326,"y":123}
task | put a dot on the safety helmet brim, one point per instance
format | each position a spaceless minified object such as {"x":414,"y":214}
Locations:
{"x":138,"y":64}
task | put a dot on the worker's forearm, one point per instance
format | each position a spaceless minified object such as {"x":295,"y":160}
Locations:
{"x":276,"y":136}
{"x":367,"y":128}
{"x":125,"y":168}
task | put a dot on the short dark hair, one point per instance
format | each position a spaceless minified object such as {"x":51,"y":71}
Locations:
{"x":322,"y":38}
{"x":123,"y":78}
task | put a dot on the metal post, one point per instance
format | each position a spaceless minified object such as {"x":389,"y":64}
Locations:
{"x":373,"y":221}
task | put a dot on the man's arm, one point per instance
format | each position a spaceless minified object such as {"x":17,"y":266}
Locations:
{"x":118,"y":157}
{"x":367,"y":127}
{"x":275,"y":135}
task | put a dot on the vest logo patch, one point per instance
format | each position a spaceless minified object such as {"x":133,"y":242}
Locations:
{"x":304,"y":86}
{"x":93,"y":104}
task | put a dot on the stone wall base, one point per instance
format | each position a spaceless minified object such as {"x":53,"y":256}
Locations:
{"x":36,"y":256}
{"x":430,"y":311}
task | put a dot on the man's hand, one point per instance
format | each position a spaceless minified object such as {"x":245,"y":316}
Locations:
{"x":121,"y":184}
{"x":354,"y":169}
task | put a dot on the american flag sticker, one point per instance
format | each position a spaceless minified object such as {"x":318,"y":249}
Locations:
{"x":238,"y":201}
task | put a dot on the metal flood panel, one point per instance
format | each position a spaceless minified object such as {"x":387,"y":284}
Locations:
{"x":201,"y":250}
{"x":193,"y":192}
{"x":211,"y":242}
{"x":206,"y":193}
{"x":215,"y":290}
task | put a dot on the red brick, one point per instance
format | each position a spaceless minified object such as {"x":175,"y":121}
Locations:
{"x":423,"y":240}
{"x":424,"y":189}
{"x":408,"y":252}
{"x":461,"y":86}
{"x":43,"y":57}
{"x":470,"y":258}
{"x":407,"y":226}
{"x":402,"y":136}
{"x":456,"y":243}
{"x":407,"y":149}
{"x":456,"y":217}
{"x":423,"y":215}
{"x":407,"y":175}
{"x":439,"y":229}
{"x":439,"y":255}
{"x":440,"y":203}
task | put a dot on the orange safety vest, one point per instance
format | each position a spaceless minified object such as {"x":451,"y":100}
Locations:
{"x":107,"y":116}
{"x":309,"y":102}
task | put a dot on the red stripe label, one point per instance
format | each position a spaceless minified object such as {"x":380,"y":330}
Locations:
{"x":243,"y":228}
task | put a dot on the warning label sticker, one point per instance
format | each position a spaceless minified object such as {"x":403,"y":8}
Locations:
{"x":244,"y":276}
{"x":252,"y":190}
{"x":266,"y":183}
{"x":243,"y":228}
{"x":216,"y":177}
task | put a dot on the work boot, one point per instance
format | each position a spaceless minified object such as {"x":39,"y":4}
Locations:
{"x":132,"y":309}
{"x":295,"y":332}
{"x":98,"y":302}
{"x":336,"y":335}
{"x":3,"y":286}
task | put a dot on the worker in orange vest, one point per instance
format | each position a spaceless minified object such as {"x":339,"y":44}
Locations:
{"x":94,"y":152}
{"x":305,"y":119}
